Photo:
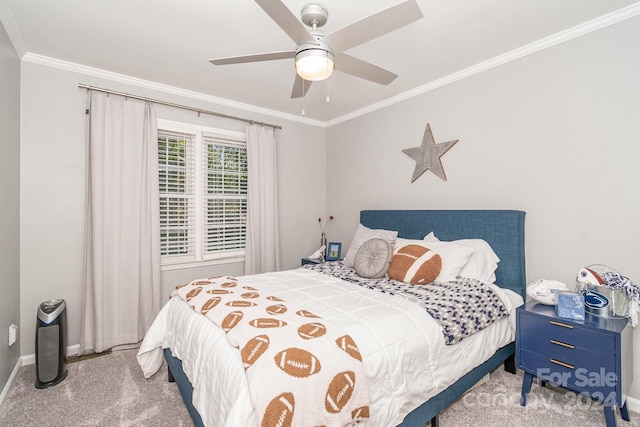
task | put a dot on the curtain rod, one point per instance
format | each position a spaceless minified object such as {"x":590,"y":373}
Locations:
{"x":171,"y":104}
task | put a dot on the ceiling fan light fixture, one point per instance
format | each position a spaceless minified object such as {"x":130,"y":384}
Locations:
{"x":314,"y":57}
{"x":314,"y":64}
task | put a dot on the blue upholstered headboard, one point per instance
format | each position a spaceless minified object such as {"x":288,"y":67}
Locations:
{"x":502,"y":229}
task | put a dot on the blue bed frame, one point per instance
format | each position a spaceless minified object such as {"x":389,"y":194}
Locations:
{"x":502,"y":229}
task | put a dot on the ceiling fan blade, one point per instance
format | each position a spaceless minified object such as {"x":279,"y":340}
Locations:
{"x":363,"y":69}
{"x":374,"y":26}
{"x":300,"y":87}
{"x":286,"y":20}
{"x":286,"y":54}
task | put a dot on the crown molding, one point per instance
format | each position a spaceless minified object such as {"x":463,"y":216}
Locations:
{"x":531,"y":48}
{"x":539,"y":45}
{"x":10,"y":26}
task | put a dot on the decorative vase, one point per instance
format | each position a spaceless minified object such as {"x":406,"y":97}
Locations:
{"x":323,"y":243}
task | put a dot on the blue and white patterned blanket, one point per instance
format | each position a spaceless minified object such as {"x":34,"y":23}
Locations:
{"x":462,"y":307}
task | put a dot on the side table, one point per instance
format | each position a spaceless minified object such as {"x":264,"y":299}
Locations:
{"x":594,"y":357}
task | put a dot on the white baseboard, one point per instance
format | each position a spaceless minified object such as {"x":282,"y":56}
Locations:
{"x":633,"y":404}
{"x":30,"y":359}
{"x":9,"y":383}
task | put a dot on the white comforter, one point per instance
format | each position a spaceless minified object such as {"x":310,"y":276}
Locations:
{"x":403,"y":349}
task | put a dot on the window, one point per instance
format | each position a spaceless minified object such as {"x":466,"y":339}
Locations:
{"x":203,"y":193}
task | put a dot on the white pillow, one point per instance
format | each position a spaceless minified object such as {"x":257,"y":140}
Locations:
{"x":362,"y":235}
{"x":453,"y":255}
{"x":483,"y":262}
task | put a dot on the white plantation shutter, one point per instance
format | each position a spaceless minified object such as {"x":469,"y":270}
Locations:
{"x":176,"y":166}
{"x":203,"y":193}
{"x":225,"y":195}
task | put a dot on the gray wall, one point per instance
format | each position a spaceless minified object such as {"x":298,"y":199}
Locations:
{"x":556,"y":134}
{"x":53,"y":187}
{"x":10,"y":196}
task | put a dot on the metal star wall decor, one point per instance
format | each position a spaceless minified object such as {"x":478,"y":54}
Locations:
{"x":427,"y":156}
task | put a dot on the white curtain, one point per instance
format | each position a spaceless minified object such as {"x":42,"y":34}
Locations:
{"x":122,"y":293}
{"x":263,"y":246}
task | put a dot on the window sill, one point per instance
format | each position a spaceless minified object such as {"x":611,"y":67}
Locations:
{"x":204,"y":263}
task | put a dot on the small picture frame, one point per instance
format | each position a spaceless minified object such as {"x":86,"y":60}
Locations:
{"x":334,"y":250}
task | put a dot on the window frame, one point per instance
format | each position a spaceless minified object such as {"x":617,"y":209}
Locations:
{"x":199,"y":258}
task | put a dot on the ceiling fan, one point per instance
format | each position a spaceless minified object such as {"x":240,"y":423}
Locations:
{"x":324,"y":52}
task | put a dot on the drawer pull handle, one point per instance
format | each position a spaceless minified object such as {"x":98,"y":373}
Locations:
{"x":564,"y":325}
{"x":563,"y":344}
{"x":566,"y":365}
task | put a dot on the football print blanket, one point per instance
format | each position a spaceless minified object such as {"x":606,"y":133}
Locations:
{"x":301,"y":369}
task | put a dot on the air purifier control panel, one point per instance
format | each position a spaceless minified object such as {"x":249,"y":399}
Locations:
{"x":49,"y":310}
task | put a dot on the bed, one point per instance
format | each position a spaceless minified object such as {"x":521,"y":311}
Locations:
{"x":503,"y":230}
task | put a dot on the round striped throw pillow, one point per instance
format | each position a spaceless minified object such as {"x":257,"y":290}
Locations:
{"x":373,"y":258}
{"x":415,"y":264}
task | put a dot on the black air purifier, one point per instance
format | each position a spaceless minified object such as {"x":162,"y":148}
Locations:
{"x":51,"y":343}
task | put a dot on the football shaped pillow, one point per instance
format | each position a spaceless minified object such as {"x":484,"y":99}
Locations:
{"x":415,"y":264}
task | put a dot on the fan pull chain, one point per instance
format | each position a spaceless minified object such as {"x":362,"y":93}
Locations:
{"x":327,"y":99}
{"x":303,"y":112}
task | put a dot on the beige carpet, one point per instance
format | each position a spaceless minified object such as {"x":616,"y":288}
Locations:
{"x":497,"y":403}
{"x":111,"y":391}
{"x":105,"y":391}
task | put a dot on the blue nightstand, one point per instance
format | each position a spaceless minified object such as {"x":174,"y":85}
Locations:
{"x":304,"y":261}
{"x":594,"y":357}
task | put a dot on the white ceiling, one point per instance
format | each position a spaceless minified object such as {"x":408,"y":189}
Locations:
{"x":170,"y":42}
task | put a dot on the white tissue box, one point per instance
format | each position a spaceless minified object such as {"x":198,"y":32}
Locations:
{"x":570,"y":305}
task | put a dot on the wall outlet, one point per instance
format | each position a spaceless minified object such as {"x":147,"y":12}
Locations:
{"x":13,"y":333}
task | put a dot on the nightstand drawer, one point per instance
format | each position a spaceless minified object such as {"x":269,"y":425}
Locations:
{"x":569,"y":353}
{"x":568,"y":333}
{"x":581,"y":379}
